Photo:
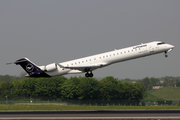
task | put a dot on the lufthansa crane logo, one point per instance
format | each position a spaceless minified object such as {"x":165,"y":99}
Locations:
{"x":29,"y":67}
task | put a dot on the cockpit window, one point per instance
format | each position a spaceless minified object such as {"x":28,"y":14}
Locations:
{"x":161,"y":43}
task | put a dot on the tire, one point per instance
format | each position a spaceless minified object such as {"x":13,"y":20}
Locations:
{"x":87,"y":75}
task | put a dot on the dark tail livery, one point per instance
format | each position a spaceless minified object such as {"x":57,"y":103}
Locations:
{"x":32,"y":69}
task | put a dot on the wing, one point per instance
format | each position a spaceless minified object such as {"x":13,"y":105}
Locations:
{"x":84,"y":68}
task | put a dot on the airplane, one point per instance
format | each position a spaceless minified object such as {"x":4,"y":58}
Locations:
{"x":88,"y":64}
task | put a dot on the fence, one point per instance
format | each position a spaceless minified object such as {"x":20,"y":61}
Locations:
{"x":57,"y":101}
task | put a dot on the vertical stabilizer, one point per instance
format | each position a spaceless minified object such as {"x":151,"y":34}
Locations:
{"x":32,"y":69}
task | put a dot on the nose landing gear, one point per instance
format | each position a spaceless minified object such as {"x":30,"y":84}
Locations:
{"x":166,"y":54}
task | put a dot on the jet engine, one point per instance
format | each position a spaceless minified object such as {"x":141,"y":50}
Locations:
{"x":50,"y":67}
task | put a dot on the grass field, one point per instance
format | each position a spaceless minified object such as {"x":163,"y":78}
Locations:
{"x":166,"y":93}
{"x":65,"y":107}
{"x":101,"y":119}
{"x":105,"y":119}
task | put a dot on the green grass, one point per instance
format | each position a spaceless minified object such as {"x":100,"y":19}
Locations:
{"x":66,"y":107}
{"x":151,"y":97}
{"x":99,"y":119}
{"x":166,"y":93}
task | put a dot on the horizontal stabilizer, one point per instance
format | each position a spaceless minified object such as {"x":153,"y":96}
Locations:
{"x":18,"y":61}
{"x":9,"y":63}
{"x":21,"y":61}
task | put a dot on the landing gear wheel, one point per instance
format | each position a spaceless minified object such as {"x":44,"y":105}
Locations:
{"x":91,"y":75}
{"x":166,"y":54}
{"x":87,"y":74}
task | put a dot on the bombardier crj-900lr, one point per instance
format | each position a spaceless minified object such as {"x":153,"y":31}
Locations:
{"x":88,"y":64}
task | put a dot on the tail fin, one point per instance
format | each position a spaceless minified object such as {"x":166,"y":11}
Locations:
{"x":32,"y":69}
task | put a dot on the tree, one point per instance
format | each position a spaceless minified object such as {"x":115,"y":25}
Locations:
{"x":28,"y":87}
{"x":16,"y":89}
{"x":108,"y":88}
{"x":145,"y":82}
{"x":88,"y":88}
{"x":70,"y":89}
{"x":150,"y":87}
{"x":155,"y":81}
{"x":140,"y":91}
{"x":5,"y":87}
{"x":169,"y":82}
{"x":177,"y":83}
{"x":49,"y":87}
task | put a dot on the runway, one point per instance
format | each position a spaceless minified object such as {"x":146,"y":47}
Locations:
{"x":95,"y":114}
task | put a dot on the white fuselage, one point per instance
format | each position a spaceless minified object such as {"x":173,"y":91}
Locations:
{"x":108,"y":58}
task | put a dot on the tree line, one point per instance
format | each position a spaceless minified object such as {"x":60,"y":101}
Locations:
{"x":148,"y":83}
{"x":9,"y":78}
{"x":108,"y":88}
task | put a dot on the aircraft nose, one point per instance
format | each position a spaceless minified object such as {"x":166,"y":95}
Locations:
{"x":171,"y":46}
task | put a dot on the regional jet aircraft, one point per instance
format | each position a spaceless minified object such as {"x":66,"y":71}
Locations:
{"x":88,"y":64}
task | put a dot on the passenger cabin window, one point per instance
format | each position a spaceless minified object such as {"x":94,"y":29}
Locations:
{"x":161,"y":43}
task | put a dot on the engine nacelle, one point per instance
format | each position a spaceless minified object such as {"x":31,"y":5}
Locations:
{"x":50,"y":67}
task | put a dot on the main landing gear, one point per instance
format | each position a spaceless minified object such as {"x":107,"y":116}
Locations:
{"x":89,"y":74}
{"x":166,"y":54}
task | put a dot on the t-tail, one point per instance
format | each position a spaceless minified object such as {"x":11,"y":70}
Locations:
{"x":32,"y":69}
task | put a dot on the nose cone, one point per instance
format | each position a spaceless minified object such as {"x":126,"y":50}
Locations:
{"x":170,"y":46}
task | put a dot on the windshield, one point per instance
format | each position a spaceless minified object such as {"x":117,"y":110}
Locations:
{"x":160,"y":43}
